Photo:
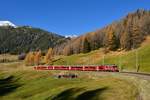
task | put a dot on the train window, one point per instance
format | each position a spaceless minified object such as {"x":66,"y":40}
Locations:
{"x":114,"y":66}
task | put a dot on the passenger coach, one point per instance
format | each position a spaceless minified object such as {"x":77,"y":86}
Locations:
{"x":106,"y":68}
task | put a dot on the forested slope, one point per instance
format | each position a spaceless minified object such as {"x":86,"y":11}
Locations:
{"x":125,"y":34}
{"x":24,"y":39}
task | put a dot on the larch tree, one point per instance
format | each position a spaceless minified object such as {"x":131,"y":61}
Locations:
{"x":125,"y":40}
{"x":68,"y":50}
{"x":137,"y":37}
{"x":29,"y":60}
{"x":49,"y":56}
{"x":86,"y":46}
{"x":111,"y":42}
{"x":37,"y":57}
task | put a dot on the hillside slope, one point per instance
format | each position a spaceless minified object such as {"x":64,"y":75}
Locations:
{"x":24,"y":39}
{"x":125,"y":34}
{"x":125,"y":60}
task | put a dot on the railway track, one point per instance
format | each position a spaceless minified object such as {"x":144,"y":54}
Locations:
{"x":137,"y":73}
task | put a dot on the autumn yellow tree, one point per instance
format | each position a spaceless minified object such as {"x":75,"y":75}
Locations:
{"x":48,"y":56}
{"x":37,"y":57}
{"x":29,"y":60}
{"x":137,"y":37}
{"x":111,"y":43}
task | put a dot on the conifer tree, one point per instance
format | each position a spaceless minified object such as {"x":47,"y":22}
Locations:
{"x":136,"y":36}
{"x":125,"y":40}
{"x":37,"y":57}
{"x":29,"y":60}
{"x":48,"y":56}
{"x":111,"y":42}
{"x":86,"y":46}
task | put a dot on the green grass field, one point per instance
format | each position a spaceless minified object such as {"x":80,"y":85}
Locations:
{"x":20,"y":82}
{"x":43,"y":85}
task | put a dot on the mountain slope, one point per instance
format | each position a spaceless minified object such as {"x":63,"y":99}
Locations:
{"x":126,"y":34}
{"x":24,"y":39}
{"x":125,"y":60}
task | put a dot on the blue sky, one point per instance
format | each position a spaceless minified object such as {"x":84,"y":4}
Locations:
{"x":67,"y":17}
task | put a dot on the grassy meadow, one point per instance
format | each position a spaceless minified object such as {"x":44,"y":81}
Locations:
{"x":43,"y":85}
{"x":20,"y":82}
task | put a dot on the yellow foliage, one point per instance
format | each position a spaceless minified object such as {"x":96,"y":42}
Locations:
{"x":33,"y":58}
{"x":37,"y":57}
{"x":29,"y":60}
{"x":48,"y":56}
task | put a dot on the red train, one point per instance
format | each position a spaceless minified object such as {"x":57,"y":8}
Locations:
{"x":107,"y":68}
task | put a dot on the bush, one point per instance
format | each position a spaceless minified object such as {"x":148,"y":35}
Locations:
{"x":22,"y":56}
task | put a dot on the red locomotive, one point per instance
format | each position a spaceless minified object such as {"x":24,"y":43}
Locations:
{"x":107,"y":68}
